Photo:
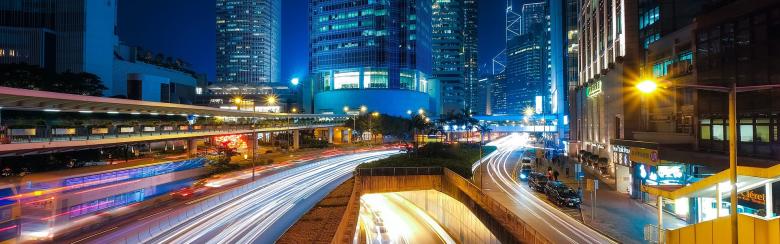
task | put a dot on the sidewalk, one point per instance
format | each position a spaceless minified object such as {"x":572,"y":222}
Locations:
{"x":616,"y":214}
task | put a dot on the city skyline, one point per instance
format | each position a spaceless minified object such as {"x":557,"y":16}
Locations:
{"x":385,"y":121}
{"x":167,"y":17}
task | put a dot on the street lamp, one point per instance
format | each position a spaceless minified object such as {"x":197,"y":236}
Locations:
{"x":649,"y":86}
{"x":271,"y":99}
{"x":238,"y":101}
{"x":354,"y":118}
{"x":529,"y":111}
{"x":363,"y":108}
{"x":371,"y":127}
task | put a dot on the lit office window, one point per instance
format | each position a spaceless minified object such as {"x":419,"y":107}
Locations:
{"x":407,"y":80}
{"x":375,"y":78}
{"x":346,"y":80}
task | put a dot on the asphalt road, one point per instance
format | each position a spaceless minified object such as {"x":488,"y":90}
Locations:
{"x":261,"y":215}
{"x":500,"y":184}
{"x":389,"y":218}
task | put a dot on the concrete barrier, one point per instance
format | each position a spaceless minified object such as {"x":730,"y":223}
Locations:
{"x":503,"y":224}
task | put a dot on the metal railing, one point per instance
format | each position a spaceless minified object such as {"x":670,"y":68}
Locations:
{"x":651,"y":234}
{"x":399,"y":171}
{"x":84,"y":133}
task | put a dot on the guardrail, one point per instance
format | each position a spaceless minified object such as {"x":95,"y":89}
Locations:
{"x":399,"y":171}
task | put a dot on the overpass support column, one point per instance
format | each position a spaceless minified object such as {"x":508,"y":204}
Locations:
{"x":330,"y":134}
{"x":192,"y":147}
{"x":296,"y":139}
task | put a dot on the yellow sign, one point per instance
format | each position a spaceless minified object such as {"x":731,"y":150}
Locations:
{"x":754,"y":197}
{"x":644,"y":155}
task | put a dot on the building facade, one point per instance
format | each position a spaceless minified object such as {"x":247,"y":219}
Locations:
{"x":455,"y":52}
{"x":471,"y":55}
{"x":60,"y":35}
{"x":248,"y":41}
{"x":449,"y":59}
{"x":142,"y":75}
{"x":608,"y":66}
{"x":375,"y":54}
{"x":528,"y":62}
{"x":80,"y":36}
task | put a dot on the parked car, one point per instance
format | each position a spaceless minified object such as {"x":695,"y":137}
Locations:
{"x":525,"y":171}
{"x":537,"y":181}
{"x":562,"y":195}
{"x":526,"y":161}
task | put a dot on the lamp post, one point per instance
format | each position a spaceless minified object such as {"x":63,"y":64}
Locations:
{"x":371,"y":127}
{"x":650,"y":86}
{"x":238,"y":101}
{"x":354,"y":118}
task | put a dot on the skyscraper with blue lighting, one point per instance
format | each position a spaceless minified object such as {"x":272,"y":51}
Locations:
{"x":369,"y":53}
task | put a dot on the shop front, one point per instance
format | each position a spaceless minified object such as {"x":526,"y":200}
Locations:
{"x":620,"y":167}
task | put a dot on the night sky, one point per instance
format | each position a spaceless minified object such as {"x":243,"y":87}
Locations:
{"x":186,"y":29}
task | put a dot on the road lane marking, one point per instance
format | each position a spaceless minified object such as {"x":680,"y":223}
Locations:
{"x":96,"y":234}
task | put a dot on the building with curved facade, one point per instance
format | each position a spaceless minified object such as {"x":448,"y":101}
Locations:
{"x":375,"y":54}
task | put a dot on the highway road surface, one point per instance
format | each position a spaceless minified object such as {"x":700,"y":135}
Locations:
{"x":389,"y":218}
{"x":500,"y":184}
{"x":261,"y":215}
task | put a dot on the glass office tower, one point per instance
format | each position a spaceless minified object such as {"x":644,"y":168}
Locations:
{"x":248,"y":41}
{"x":371,"y":53}
{"x":455,"y":52}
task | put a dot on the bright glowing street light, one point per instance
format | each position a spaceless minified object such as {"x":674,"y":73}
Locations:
{"x":294,"y":110}
{"x":647,"y":86}
{"x":421,"y":111}
{"x":363,"y":109}
{"x":346,"y":109}
{"x":271,"y":99}
{"x":409,"y":112}
{"x":375,"y":114}
{"x":295,"y":81}
{"x":529,"y":111}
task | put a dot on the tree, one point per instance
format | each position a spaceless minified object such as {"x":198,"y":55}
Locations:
{"x":32,"y":77}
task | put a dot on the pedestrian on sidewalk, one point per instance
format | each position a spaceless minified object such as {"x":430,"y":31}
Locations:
{"x":555,"y":175}
{"x":550,"y":173}
{"x":567,"y":172}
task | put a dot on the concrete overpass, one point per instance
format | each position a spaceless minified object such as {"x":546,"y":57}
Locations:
{"x":33,"y":122}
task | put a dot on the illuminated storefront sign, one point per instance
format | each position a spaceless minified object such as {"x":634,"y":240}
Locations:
{"x":593,"y":89}
{"x":753,"y":196}
{"x":643,"y":155}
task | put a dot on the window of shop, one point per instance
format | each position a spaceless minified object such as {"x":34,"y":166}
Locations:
{"x":718,"y":130}
{"x":746,"y":130}
{"x":705,"y":129}
{"x":762,"y":130}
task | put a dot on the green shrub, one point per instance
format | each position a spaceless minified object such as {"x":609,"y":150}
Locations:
{"x":457,"y":157}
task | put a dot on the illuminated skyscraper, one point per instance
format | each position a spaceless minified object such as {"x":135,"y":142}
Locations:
{"x":455,"y":52}
{"x":471,"y":53}
{"x":371,"y":53}
{"x":248,"y":42}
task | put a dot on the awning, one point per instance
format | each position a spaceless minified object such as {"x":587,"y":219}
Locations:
{"x":747,"y":178}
